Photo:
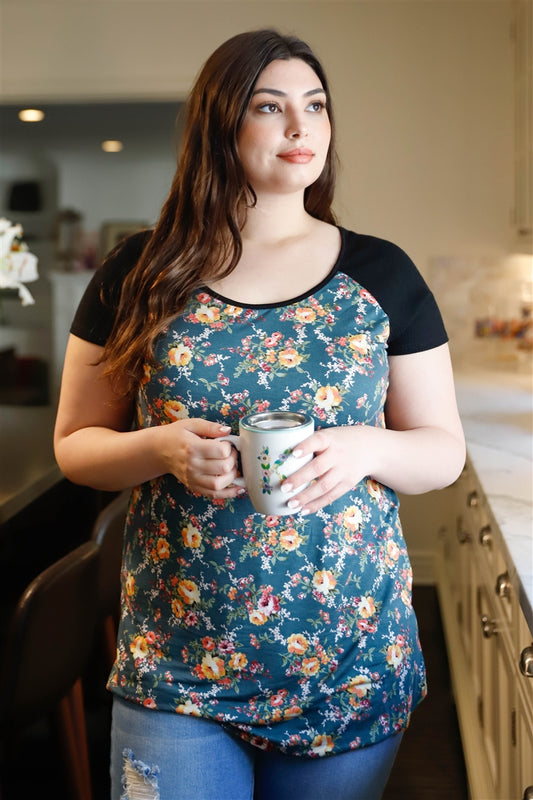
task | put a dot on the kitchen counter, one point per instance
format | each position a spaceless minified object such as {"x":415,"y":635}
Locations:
{"x":28,"y":465}
{"x":497,"y":414}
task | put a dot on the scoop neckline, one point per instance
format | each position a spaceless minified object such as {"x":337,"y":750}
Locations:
{"x":284,"y":303}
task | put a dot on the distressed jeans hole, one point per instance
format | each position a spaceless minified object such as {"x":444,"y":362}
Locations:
{"x":139,"y":781}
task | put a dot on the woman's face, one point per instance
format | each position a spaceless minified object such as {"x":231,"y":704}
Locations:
{"x":284,"y":139}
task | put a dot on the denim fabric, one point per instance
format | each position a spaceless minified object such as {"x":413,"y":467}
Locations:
{"x":158,"y":755}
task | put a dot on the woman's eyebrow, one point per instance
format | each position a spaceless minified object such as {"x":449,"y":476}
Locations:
{"x":279,"y":93}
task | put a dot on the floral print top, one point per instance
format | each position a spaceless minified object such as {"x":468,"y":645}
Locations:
{"x":295,"y":632}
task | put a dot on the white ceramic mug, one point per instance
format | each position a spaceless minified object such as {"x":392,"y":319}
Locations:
{"x":266,"y":441}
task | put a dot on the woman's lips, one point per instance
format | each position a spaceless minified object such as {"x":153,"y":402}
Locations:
{"x":300,"y":155}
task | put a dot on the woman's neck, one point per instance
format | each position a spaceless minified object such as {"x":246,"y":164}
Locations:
{"x":276,"y":218}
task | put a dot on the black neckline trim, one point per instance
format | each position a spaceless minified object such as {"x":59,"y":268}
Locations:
{"x":291,"y":301}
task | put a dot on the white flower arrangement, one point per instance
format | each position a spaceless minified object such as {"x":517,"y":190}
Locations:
{"x":17,"y":265}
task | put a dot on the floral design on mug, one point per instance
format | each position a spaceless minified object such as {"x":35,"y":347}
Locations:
{"x":269,"y":469}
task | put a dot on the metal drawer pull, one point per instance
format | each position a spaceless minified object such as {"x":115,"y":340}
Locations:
{"x":526,"y":665}
{"x":472,"y":500}
{"x":503,"y":585}
{"x":488,"y":626}
{"x":485,"y":536}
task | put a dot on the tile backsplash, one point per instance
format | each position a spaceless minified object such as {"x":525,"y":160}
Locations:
{"x":487,"y":308}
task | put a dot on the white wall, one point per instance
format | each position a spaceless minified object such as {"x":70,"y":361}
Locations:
{"x":423,"y":91}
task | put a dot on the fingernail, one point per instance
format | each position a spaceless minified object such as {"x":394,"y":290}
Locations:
{"x":224,"y":428}
{"x":286,"y":487}
{"x":297,"y":453}
{"x":304,"y":512}
{"x":293,"y":503}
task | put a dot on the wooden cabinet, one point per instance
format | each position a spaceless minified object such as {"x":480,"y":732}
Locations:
{"x":490,"y":647}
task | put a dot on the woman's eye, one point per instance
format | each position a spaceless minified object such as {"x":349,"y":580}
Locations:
{"x":268,"y":108}
{"x":317,"y":105}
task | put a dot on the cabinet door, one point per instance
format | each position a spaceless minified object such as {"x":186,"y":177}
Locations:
{"x":496,"y":677}
{"x":524,"y":750}
{"x":524,"y":709}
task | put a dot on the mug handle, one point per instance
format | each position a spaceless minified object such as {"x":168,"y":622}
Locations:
{"x":234,"y":440}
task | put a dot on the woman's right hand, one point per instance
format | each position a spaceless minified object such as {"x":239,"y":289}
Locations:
{"x":193,"y":454}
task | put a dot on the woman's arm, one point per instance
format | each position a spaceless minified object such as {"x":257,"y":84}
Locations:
{"x":422,"y":448}
{"x":95,"y":446}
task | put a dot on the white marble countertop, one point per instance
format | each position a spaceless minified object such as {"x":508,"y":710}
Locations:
{"x":497,"y":414}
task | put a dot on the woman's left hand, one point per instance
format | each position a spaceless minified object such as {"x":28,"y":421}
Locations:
{"x":339,"y":464}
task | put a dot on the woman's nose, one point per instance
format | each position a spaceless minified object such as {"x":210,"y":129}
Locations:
{"x":296,"y":128}
{"x":298,"y":133}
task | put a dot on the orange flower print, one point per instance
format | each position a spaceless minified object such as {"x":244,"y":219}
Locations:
{"x":405,"y":596}
{"x":360,"y":346}
{"x":233,"y":311}
{"x":162,"y":548}
{"x":366,"y":607}
{"x":321,"y":745}
{"x":208,"y":314}
{"x":238,"y":661}
{"x":189,"y":708}
{"x":292,"y":711}
{"x":290,"y":539}
{"x":257,"y":617}
{"x":393,"y":551}
{"x":324,"y":581}
{"x":383,"y":334}
{"x":297,"y":643}
{"x":359,"y":686}
{"x":394,"y":655}
{"x":213,"y":667}
{"x":327,"y":397}
{"x":305,"y":314}
{"x":189,"y":591}
{"x":352,"y":518}
{"x":374,"y":489}
{"x":289,"y":357}
{"x":191,"y":536}
{"x":139,"y":647}
{"x":175,"y":410}
{"x":130,"y":585}
{"x":177,"y":608}
{"x":180,"y":355}
{"x":310,"y":666}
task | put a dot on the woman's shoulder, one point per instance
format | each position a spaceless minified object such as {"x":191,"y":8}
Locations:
{"x":364,"y":248}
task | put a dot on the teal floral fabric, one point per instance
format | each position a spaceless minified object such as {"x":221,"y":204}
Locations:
{"x":296,"y":632}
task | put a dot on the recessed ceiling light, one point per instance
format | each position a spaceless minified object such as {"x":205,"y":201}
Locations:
{"x":31,"y":115}
{"x":112,"y":146}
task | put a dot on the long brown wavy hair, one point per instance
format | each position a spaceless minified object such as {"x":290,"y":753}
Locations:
{"x":198,"y":236}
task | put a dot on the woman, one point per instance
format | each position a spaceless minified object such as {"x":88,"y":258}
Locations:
{"x":259,"y":654}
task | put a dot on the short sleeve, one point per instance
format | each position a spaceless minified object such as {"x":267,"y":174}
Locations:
{"x":95,"y":315}
{"x":391,"y":277}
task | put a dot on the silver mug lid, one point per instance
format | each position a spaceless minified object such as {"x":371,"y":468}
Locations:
{"x":274,"y":420}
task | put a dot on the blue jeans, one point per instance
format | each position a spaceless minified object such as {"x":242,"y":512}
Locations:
{"x":159,"y":755}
